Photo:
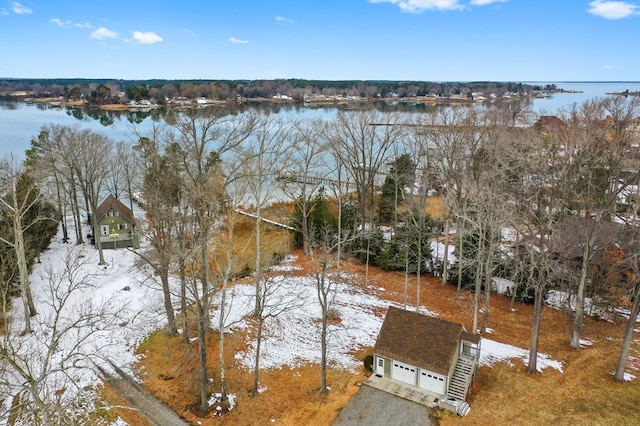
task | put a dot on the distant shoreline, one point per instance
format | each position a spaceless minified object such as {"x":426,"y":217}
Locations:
{"x":311,"y":100}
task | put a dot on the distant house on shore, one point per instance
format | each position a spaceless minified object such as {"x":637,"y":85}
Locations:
{"x":427,"y":353}
{"x":117,"y":225}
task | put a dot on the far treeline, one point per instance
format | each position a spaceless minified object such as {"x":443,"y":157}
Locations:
{"x":102,"y":91}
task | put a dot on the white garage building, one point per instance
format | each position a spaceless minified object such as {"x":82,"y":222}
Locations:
{"x":428,"y":353}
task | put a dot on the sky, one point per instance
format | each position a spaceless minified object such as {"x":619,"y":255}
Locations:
{"x":424,"y":40}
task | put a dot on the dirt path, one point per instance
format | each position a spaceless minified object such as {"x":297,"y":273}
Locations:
{"x":157,"y":413}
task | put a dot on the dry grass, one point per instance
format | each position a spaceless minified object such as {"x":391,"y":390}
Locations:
{"x":583,"y":394}
{"x":170,"y":371}
{"x":119,"y":407}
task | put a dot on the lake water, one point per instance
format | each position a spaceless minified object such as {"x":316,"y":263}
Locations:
{"x":20,"y":122}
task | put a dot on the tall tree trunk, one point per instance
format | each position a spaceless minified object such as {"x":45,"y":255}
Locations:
{"x":532,"y":366}
{"x":62,"y":208}
{"x":628,"y":338}
{"x":478,"y":283}
{"x":256,"y":368}
{"x":258,"y":268}
{"x":168,"y":306}
{"x":204,"y":259}
{"x":460,"y":259}
{"x":579,"y":315}
{"x":75,"y":206}
{"x":98,"y":238}
{"x":183,"y":300}
{"x":323,"y":357}
{"x":419,"y":270}
{"x":445,"y":255}
{"x":25,"y":286}
{"x":487,"y":290}
{"x":222,"y":312}
{"x":202,"y":354}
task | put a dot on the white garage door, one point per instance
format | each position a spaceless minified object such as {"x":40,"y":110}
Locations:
{"x":433,"y":382}
{"x":404,"y":372}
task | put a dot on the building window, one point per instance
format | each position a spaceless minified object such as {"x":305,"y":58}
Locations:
{"x":380,"y":362}
{"x":122,"y":226}
{"x":104,"y":230}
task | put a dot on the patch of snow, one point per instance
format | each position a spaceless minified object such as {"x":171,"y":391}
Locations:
{"x":437,"y":251}
{"x":96,"y":320}
{"x":585,"y":342}
{"x":628,"y":377}
{"x":559,"y":299}
{"x":387,"y":232}
{"x":502,"y":285}
{"x":285,"y":268}
{"x":216,"y":398}
{"x":493,"y":352}
{"x":293,"y":337}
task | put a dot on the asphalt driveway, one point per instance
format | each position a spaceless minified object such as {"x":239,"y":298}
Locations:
{"x":373,"y":407}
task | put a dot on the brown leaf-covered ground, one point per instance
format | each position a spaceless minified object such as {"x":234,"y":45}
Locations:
{"x":584,"y":393}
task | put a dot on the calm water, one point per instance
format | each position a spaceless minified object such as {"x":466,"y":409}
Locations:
{"x":20,"y":122}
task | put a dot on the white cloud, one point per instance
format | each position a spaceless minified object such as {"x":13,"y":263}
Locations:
{"x":146,"y":38}
{"x":20,"y":9}
{"x":420,"y":5}
{"x":485,"y":2}
{"x":190,"y":32}
{"x":608,"y":67}
{"x":238,"y":41}
{"x":60,"y":22}
{"x":416,"y":6}
{"x":103,"y":33}
{"x":612,"y":9}
{"x":283,"y":19}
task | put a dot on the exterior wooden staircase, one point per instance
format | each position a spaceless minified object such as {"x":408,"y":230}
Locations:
{"x":454,"y":400}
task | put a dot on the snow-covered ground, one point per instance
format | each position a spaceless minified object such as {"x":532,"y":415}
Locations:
{"x":87,"y":313}
{"x":115,"y":306}
{"x":293,"y":338}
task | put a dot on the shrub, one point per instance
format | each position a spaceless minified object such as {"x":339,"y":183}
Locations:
{"x":368,"y":362}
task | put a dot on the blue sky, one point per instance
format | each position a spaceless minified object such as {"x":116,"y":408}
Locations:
{"x":434,"y":40}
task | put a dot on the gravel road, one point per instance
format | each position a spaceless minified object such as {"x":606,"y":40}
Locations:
{"x":373,"y":407}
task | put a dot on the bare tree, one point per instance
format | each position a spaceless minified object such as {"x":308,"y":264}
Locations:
{"x":631,"y":264}
{"x":18,"y":194}
{"x":275,"y":301}
{"x":361,"y":142}
{"x":454,"y":135}
{"x":206,"y":140}
{"x":594,"y":141}
{"x":42,"y":163}
{"x":161,"y":192}
{"x":267,"y":151}
{"x":309,"y":172}
{"x":39,"y":368}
